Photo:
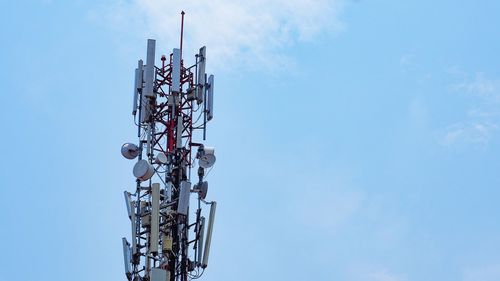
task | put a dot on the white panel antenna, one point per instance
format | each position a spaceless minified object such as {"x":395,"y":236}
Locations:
{"x":134,"y":231}
{"x":200,"y":242}
{"x":176,"y":71}
{"x":180,"y":128}
{"x":168,"y":190}
{"x":200,"y":90}
{"x":155,"y":211}
{"x":184,"y":193}
{"x":210,"y":98}
{"x":137,"y":85}
{"x":126,"y":256}
{"x":149,"y":73}
{"x":211,"y":219}
{"x":149,"y":78}
{"x":148,"y":139}
{"x":128,"y":203}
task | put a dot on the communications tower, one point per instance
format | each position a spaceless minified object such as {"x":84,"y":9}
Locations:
{"x":172,"y":104}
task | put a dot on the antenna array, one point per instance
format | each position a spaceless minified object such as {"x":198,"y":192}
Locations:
{"x":171,"y":103}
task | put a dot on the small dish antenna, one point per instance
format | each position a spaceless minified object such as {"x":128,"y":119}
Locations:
{"x":130,"y":150}
{"x":143,"y":170}
{"x":161,"y":158}
{"x":207,"y":157}
{"x":202,"y":189}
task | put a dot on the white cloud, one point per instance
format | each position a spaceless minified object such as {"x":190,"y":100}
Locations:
{"x":483,"y":273}
{"x":469,"y":133}
{"x":237,"y":33}
{"x":483,"y":120}
{"x":383,"y":275}
{"x":360,"y":272}
{"x":406,"y":59}
{"x":482,"y":87}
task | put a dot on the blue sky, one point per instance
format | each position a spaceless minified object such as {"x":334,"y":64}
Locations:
{"x":356,"y":140}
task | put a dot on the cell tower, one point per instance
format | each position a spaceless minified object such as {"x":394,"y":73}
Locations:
{"x":172,"y":105}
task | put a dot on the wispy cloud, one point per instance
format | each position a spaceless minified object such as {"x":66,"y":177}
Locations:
{"x":469,"y":133}
{"x":370,"y":272}
{"x":482,"y":121}
{"x":384,"y":275}
{"x":482,"y":273}
{"x":406,"y":59}
{"x":482,"y":87}
{"x":238,"y":33}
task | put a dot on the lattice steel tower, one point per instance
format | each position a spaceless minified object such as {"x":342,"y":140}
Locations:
{"x":172,"y":105}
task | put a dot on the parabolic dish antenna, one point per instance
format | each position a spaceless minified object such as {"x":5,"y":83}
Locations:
{"x":206,"y":161}
{"x":143,"y":170}
{"x":130,"y":150}
{"x":161,"y":158}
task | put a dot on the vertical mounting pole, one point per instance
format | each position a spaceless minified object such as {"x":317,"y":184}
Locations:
{"x":155,"y":210}
{"x":182,"y":29}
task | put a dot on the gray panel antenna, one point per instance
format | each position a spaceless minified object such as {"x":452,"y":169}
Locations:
{"x":128,"y":203}
{"x":176,"y":71}
{"x":149,"y":73}
{"x":200,"y":89}
{"x":149,"y":77}
{"x":211,"y":219}
{"x":210,"y":98}
{"x":180,"y":128}
{"x":126,"y":255}
{"x":200,"y":241}
{"x":184,"y":193}
{"x":137,"y":85}
{"x":134,"y":231}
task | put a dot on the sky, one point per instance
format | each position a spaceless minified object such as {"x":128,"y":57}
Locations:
{"x":355,"y":140}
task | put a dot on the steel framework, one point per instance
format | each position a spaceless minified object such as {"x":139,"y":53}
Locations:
{"x":172,"y":102}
